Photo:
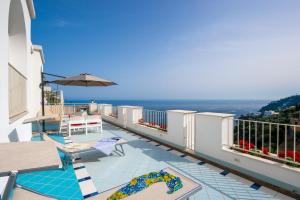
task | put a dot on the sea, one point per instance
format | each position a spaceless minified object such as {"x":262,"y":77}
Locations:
{"x":237,"y":107}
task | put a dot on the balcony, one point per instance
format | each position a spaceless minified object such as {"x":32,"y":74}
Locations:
{"x":220,"y":140}
{"x":226,"y":156}
{"x":143,"y":155}
{"x":95,"y":173}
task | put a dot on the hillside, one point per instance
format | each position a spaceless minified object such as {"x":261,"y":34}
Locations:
{"x":281,"y":104}
{"x":284,"y":116}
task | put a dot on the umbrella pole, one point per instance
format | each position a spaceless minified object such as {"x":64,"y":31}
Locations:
{"x":43,"y":100}
{"x":43,"y":82}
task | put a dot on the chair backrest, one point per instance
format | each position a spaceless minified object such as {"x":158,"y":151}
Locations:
{"x":77,"y":123}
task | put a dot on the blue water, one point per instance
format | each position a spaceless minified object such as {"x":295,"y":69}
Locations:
{"x":238,"y":107}
{"x":49,"y":126}
{"x":59,"y":183}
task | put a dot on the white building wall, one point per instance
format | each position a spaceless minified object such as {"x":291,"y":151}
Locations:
{"x":4,"y":119}
{"x":36,"y":67}
{"x":23,"y":60}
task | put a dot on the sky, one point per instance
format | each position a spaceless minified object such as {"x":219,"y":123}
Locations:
{"x":173,"y":49}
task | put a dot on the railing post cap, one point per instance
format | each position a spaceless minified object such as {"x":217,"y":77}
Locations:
{"x":130,"y":106}
{"x":182,"y":111}
{"x":212,"y":114}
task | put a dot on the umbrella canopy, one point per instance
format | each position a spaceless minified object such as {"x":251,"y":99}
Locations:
{"x":84,"y":80}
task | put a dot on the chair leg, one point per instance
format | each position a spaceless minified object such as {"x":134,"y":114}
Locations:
{"x":65,"y":162}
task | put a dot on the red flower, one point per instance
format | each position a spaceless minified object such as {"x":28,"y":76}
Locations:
{"x":293,"y":154}
{"x":152,"y":123}
{"x":245,"y":145}
{"x":265,"y":150}
{"x":281,"y":154}
{"x":163,"y":127}
{"x":290,"y":154}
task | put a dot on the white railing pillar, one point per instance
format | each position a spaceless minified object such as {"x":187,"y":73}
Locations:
{"x":93,"y":108}
{"x":105,"y":109}
{"x":180,"y":129}
{"x":122,"y":115}
{"x":129,"y":115}
{"x":213,"y":131}
{"x":134,"y":114}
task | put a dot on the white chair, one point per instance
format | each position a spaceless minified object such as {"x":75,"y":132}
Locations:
{"x":63,"y":125}
{"x":93,"y":121}
{"x":79,"y":123}
{"x":76,"y":124}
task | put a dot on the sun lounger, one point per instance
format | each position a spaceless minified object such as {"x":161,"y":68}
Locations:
{"x":25,"y":194}
{"x":158,"y":190}
{"x":26,"y":157}
{"x":74,"y":150}
{"x":13,"y":191}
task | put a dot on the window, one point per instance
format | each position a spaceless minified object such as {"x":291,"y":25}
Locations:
{"x":17,"y":93}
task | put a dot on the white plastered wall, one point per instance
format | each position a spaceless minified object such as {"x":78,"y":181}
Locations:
{"x":16,"y":49}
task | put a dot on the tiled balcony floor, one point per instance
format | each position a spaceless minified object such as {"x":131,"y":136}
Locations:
{"x":143,"y":156}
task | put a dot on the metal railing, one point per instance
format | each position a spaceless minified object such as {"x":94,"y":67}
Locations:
{"x":276,"y":141}
{"x":154,"y":118}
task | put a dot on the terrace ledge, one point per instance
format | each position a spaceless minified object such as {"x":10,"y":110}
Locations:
{"x":225,"y":148}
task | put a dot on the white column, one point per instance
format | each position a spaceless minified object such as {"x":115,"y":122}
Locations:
{"x":134,"y":114}
{"x":178,"y":126}
{"x":105,"y":109}
{"x":213,"y":131}
{"x":93,"y":108}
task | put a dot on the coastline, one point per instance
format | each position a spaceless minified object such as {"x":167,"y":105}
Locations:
{"x":237,"y":107}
